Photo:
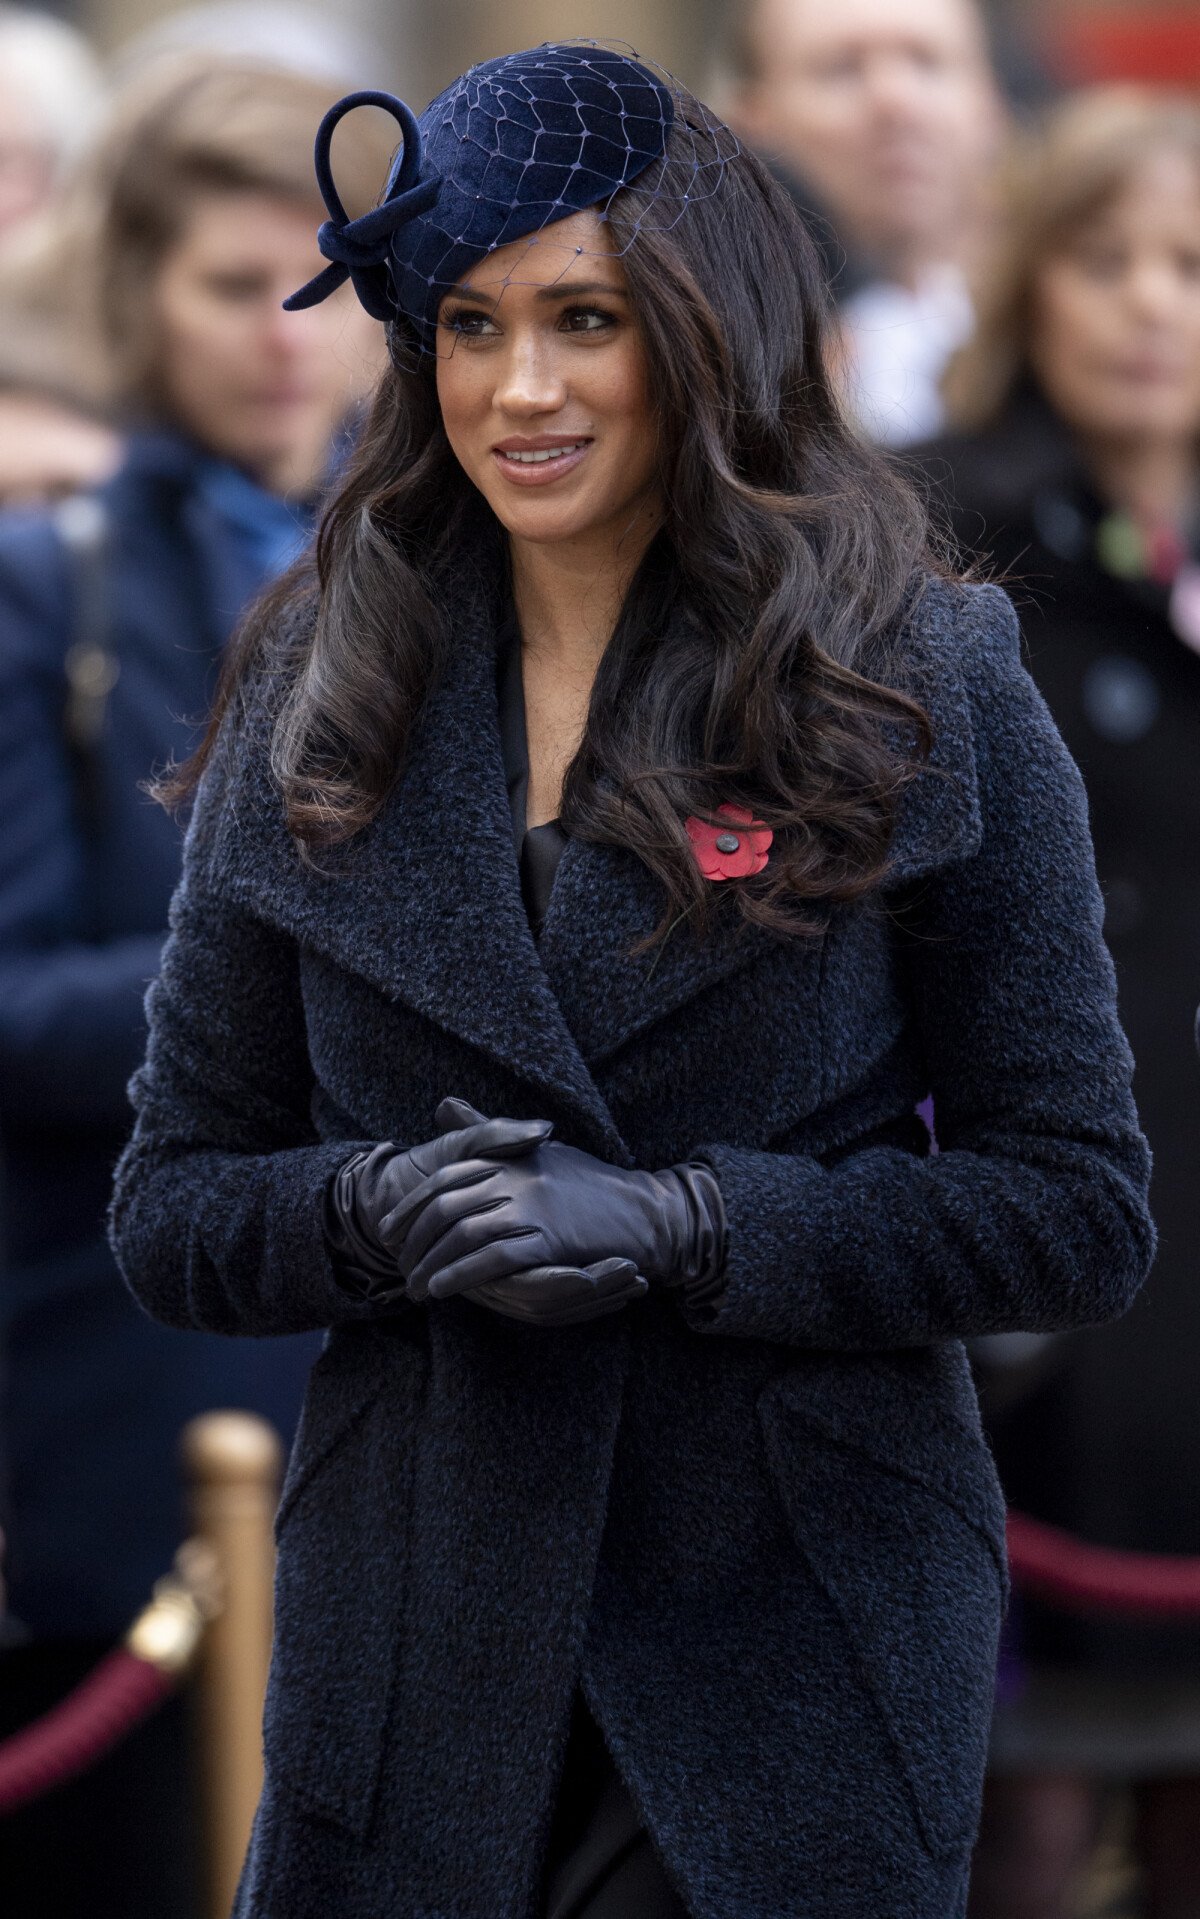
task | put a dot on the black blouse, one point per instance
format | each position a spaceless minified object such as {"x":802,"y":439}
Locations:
{"x":538,"y":848}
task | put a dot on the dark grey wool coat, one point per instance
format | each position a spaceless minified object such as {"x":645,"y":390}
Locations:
{"x":769,"y":1545}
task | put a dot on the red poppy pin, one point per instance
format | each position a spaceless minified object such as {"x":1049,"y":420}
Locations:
{"x":730,"y":852}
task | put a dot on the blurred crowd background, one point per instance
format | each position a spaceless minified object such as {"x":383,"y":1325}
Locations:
{"x":1008,"y":202}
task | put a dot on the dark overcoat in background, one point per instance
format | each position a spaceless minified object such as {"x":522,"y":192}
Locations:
{"x":1109,"y":1444}
{"x":768,"y":1543}
{"x":95,"y":1393}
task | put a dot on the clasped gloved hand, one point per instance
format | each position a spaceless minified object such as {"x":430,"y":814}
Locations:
{"x":364,"y":1196}
{"x":485,"y":1227}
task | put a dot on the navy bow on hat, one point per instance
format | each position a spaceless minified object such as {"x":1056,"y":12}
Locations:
{"x":359,"y":248}
{"x":512,"y":146}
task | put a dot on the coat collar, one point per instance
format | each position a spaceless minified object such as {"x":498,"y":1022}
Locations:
{"x":605,"y":902}
{"x":604,"y":905}
{"x":940,"y":819}
{"x":426,"y":903}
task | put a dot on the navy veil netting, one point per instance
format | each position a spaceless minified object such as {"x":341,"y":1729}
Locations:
{"x":511,"y":147}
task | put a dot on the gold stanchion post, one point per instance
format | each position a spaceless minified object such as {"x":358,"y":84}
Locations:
{"x":234,"y":1461}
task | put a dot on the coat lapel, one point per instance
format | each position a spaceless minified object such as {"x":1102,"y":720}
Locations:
{"x":426,"y":902}
{"x":604,"y":904}
{"x":605,"y":901}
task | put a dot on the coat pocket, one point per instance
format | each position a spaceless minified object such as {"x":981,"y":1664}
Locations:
{"x":897,"y":1508}
{"x":341,"y":1575}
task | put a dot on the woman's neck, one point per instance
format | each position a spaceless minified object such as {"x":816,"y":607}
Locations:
{"x":1153,"y":480}
{"x":568,"y":596}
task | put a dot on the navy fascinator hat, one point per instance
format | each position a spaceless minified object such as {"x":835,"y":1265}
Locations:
{"x":509,"y":148}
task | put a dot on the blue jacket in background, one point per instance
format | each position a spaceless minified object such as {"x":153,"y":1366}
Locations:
{"x":96,"y":1393}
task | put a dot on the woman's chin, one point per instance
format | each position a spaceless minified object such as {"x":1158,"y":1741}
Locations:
{"x":545,"y":522}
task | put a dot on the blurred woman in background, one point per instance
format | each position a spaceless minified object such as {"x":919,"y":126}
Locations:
{"x":1078,"y":472}
{"x":113,"y":612}
{"x":52,"y":101}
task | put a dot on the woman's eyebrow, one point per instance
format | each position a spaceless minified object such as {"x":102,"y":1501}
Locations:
{"x":561,"y":288}
{"x":473,"y":293}
{"x":558,"y":290}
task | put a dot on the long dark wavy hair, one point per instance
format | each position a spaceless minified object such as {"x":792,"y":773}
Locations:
{"x":744,"y":665}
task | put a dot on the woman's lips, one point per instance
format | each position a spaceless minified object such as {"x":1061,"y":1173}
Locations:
{"x":539,"y":465}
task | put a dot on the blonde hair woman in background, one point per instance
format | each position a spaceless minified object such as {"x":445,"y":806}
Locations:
{"x":113,"y":614}
{"x":1077,"y":469}
{"x":52,"y":102}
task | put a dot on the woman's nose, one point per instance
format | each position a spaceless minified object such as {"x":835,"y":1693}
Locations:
{"x":530,"y":381}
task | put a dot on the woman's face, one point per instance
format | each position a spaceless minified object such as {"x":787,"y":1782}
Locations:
{"x":1115,"y":337}
{"x":258,"y":386}
{"x":544,"y":390}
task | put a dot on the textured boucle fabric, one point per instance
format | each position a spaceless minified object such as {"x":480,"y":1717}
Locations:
{"x":768,"y":1543}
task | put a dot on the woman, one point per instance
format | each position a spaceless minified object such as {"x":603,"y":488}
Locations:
{"x":1078,"y":472}
{"x":52,"y":95}
{"x":113,"y":612}
{"x":639,"y":1553}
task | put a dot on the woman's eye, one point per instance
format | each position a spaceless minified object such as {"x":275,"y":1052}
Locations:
{"x":237,"y":287}
{"x":586,"y":320}
{"x":469,"y":321}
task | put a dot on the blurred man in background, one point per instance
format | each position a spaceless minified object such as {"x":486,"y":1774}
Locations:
{"x":888,"y":117}
{"x":114,"y":608}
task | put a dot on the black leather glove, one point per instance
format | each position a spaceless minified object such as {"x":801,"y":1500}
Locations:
{"x":559,"y":1207}
{"x":362,"y":1198}
{"x":547,"y":1295}
{"x":562,"y":1295}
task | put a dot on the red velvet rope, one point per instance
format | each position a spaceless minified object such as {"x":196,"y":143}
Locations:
{"x":110,"y":1702}
{"x":1054,"y":1565}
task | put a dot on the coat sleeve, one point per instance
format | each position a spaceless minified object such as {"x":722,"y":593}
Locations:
{"x":71,"y":1024}
{"x":1032,"y":1216}
{"x":217,"y":1212}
